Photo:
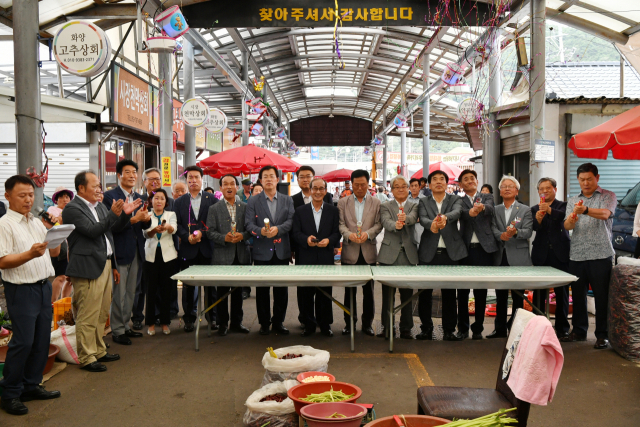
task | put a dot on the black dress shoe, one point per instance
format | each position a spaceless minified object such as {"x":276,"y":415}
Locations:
{"x":425,"y":335}
{"x":264,"y":330}
{"x":121,"y":339}
{"x":496,"y":334}
{"x":94,"y":367}
{"x":562,"y":335}
{"x":39,"y":393}
{"x":464,"y":335}
{"x":477,"y":336}
{"x":308,"y":332}
{"x":223,"y":330}
{"x":574,"y":337}
{"x":453,"y":336}
{"x":14,"y":406}
{"x":239,"y":328}
{"x":346,"y":331}
{"x":188,"y":327}
{"x":369,"y":331}
{"x":137,"y":326}
{"x":280,"y":330}
{"x":109,"y":358}
{"x":245,"y":295}
{"x":214,"y":326}
{"x":601,"y":344}
{"x":382,"y":333}
{"x":132,"y":334}
{"x":406,"y":335}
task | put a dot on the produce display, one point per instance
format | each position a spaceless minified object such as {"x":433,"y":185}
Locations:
{"x":289,"y":356}
{"x":279,"y":364}
{"x":497,"y":419}
{"x":316,"y":378}
{"x":274,"y":398}
{"x":328,"y":396}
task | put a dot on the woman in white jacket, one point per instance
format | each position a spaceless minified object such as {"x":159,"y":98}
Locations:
{"x":161,"y":259}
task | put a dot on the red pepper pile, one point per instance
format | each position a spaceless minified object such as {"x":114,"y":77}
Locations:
{"x":290,"y":356}
{"x":274,"y":398}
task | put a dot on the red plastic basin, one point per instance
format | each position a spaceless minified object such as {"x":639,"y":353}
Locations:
{"x":317,"y":415}
{"x":412,"y":420}
{"x":53,"y":352}
{"x":304,"y":375}
{"x":305,"y":389}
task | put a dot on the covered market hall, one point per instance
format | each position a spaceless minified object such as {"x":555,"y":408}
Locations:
{"x":209,"y":208}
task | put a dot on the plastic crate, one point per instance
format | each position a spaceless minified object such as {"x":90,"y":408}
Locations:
{"x":59,"y":308}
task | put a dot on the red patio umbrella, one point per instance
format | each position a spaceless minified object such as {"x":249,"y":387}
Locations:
{"x":247,"y":159}
{"x":338,"y":175}
{"x":621,"y":135}
{"x":451,"y":170}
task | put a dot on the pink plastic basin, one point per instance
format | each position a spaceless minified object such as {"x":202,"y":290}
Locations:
{"x":412,"y":420}
{"x":304,"y":375}
{"x":317,"y":415}
{"x":305,"y":389}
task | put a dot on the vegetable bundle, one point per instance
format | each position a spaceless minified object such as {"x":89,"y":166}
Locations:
{"x":497,"y":419}
{"x":328,"y":396}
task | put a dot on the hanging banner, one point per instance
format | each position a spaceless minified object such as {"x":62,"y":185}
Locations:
{"x":321,"y":13}
{"x":201,"y":137}
{"x":217,"y":121}
{"x":82,"y":49}
{"x":166,"y":171}
{"x":131,"y":100}
{"x":178,"y":124}
{"x":214,"y":141}
{"x":194,"y":112}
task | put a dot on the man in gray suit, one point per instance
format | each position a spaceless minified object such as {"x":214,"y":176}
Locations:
{"x":91,"y":264}
{"x":226,"y":230}
{"x":398,"y":217}
{"x":441,"y":244}
{"x":512,"y":226}
{"x":269,"y":218}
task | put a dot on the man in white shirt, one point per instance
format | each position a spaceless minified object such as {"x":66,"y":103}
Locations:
{"x":26,"y":266}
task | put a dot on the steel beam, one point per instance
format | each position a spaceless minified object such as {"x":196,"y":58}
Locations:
{"x":189,"y":92}
{"x":587,"y":26}
{"x":491,"y":165}
{"x":166,"y":110}
{"x":243,"y":106}
{"x":537,"y":76}
{"x":426,"y":65}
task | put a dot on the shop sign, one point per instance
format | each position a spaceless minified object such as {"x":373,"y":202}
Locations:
{"x":415,"y":159}
{"x":217,"y":121}
{"x":131,"y":101}
{"x":469,"y":110}
{"x":178,"y":124}
{"x":214,"y":141}
{"x":166,"y":171}
{"x":194,"y":112}
{"x":201,"y":137}
{"x":82,"y":49}
{"x":545,"y":151}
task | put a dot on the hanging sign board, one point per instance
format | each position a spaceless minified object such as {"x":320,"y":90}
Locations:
{"x":131,"y":104}
{"x":217,"y":121}
{"x":194,"y":112}
{"x":545,"y":151}
{"x":178,"y":123}
{"x":82,"y":49}
{"x":166,"y":171}
{"x":469,"y":110}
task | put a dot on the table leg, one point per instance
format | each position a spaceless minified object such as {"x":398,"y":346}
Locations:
{"x":391,"y":331}
{"x":198,"y":309}
{"x":353,"y":346}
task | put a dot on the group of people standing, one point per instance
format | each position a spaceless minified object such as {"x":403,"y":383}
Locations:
{"x":125,"y":248}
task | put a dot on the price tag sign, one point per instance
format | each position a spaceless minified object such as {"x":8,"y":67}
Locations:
{"x":194,"y":112}
{"x":166,"y":171}
{"x":217,"y":121}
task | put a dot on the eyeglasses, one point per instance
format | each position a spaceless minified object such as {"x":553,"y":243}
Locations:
{"x":402,"y":187}
{"x":317,"y":189}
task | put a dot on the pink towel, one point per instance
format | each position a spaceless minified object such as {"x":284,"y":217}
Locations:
{"x":538,"y":363}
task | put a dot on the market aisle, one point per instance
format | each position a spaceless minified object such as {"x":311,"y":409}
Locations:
{"x":162,"y":381}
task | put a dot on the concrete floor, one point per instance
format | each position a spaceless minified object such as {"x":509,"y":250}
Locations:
{"x":162,"y":381}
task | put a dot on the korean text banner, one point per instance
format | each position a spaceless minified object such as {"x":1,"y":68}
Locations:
{"x":321,"y":13}
{"x":131,"y":101}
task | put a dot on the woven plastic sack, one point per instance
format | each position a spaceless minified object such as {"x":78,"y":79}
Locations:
{"x":282,"y":370}
{"x":624,"y":311}
{"x":65,"y":338}
{"x":281,"y":414}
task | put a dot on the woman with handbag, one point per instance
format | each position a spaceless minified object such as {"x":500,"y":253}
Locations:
{"x":161,"y":259}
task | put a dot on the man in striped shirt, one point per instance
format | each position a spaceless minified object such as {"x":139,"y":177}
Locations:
{"x":26,"y":266}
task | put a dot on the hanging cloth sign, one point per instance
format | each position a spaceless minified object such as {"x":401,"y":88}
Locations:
{"x":82,"y":49}
{"x":217,"y":121}
{"x":194,"y":112}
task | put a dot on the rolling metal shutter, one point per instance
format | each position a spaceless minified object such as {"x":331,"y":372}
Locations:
{"x":618,"y":176}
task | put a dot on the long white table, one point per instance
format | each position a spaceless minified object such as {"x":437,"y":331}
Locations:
{"x":423,"y":277}
{"x":236,"y":276}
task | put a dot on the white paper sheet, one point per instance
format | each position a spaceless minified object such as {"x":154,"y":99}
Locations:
{"x":56,"y":235}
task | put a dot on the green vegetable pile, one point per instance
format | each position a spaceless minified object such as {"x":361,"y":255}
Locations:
{"x":328,"y":396}
{"x":497,"y":419}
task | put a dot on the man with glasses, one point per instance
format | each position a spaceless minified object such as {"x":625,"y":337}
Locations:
{"x":398,"y":217}
{"x":316,"y":231}
{"x":590,"y":216}
{"x":359,"y":226}
{"x":129,"y":252}
{"x":512,"y":226}
{"x":304,"y":175}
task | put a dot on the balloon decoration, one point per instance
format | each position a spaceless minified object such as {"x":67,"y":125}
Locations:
{"x":217,"y":121}
{"x":258,"y":85}
{"x":172,"y":22}
{"x":452,"y":73}
{"x":400,"y":120}
{"x":194,"y":112}
{"x":82,"y":49}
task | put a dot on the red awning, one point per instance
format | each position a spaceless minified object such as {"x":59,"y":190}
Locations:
{"x":247,"y":159}
{"x":621,"y":135}
{"x":339,"y":175}
{"x":451,"y":170}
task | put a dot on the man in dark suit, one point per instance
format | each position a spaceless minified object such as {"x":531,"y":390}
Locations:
{"x":195,"y":247}
{"x":316,"y":231}
{"x":92,"y":265}
{"x":551,"y":247}
{"x":440,"y":244}
{"x":304,"y":175}
{"x":225,"y":228}
{"x":269,"y":218}
{"x":512,"y":226}
{"x":152,"y":180}
{"x":475,"y":227}
{"x":129,"y":250}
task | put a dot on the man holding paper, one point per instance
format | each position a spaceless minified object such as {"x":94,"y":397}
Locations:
{"x":25,"y":264}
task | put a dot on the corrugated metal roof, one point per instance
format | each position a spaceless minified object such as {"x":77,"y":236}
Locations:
{"x":597,"y":100}
{"x":591,"y":79}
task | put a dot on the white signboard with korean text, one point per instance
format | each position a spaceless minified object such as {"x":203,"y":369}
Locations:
{"x":545,"y":151}
{"x":217,"y":121}
{"x":194,"y":112}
